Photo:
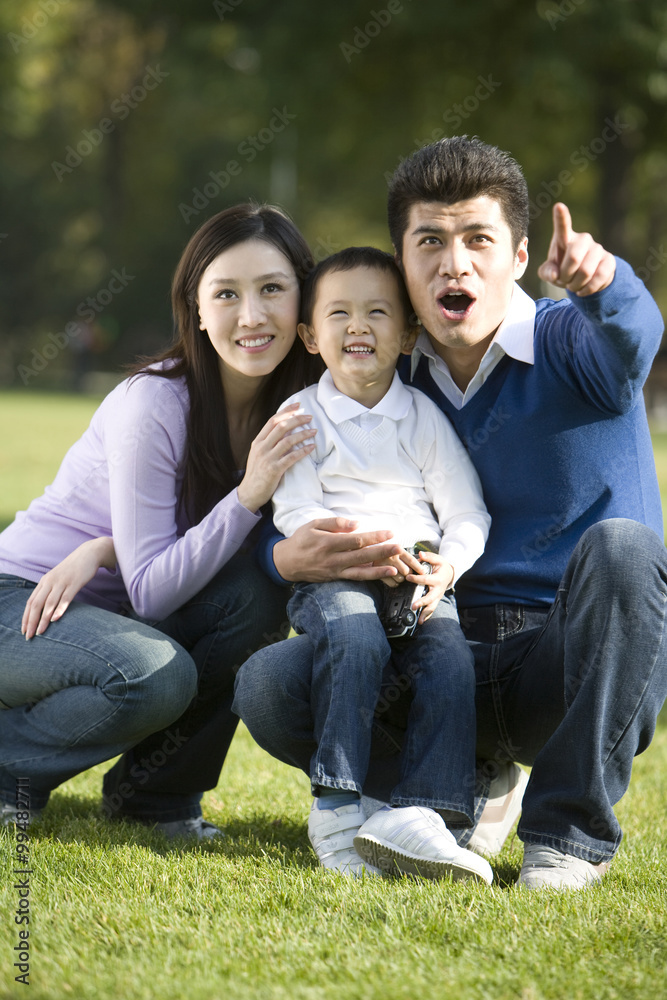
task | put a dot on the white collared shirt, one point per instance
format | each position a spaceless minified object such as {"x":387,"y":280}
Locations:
{"x":399,"y":465}
{"x":514,"y":336}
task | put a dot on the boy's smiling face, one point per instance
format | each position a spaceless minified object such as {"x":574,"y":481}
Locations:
{"x":360,"y":328}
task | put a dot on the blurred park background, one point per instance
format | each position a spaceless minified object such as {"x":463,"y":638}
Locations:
{"x":126,"y":123}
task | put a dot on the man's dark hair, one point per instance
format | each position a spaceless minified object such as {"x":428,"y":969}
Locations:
{"x":348,"y":260}
{"x":454,"y":170}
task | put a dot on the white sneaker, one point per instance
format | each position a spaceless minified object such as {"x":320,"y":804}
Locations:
{"x":195,"y":828}
{"x":332,"y":832}
{"x":502,"y":810}
{"x":547,"y":868}
{"x":414,"y":840}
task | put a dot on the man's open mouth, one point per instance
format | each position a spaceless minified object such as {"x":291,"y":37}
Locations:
{"x":359,"y":349}
{"x":456,"y":305}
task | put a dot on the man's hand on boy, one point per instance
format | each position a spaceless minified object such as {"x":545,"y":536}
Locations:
{"x":330,"y":549}
{"x":438,"y":582}
{"x":575,"y":261}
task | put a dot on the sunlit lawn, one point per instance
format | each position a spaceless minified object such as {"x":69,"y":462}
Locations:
{"x":116,"y":912}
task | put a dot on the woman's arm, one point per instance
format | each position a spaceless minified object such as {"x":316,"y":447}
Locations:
{"x":52,"y":596}
{"x":163,"y":561}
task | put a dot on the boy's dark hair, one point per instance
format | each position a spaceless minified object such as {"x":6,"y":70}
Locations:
{"x":348,"y":260}
{"x":454,"y":170}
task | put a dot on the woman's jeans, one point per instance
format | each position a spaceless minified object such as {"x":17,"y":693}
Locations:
{"x":351,"y":652}
{"x":97,"y":684}
{"x":572,"y":690}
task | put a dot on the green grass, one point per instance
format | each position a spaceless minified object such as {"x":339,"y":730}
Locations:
{"x":117,"y":912}
{"x":37,"y":430}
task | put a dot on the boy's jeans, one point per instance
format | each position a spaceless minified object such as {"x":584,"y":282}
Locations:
{"x":351,"y":652}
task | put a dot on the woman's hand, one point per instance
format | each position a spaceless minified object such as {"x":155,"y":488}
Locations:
{"x":274,"y":450}
{"x":52,"y":596}
{"x":438,"y":582}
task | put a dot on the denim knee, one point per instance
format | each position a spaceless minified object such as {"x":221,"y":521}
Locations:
{"x":624,"y":552}
{"x":271,"y":684}
{"x":153,"y":689}
{"x":619,"y":538}
{"x":342,"y":614}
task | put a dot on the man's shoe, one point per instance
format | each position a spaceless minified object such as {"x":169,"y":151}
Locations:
{"x":502,"y":810}
{"x":195,"y":828}
{"x":414,"y":840}
{"x":332,"y":832}
{"x":9,"y":814}
{"x":546,"y":868}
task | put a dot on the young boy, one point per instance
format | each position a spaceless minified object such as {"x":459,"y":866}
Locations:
{"x":387,"y":457}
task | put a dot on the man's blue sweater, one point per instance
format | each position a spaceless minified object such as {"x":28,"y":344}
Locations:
{"x":562,"y":443}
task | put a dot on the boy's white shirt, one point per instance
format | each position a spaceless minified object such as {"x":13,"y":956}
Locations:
{"x":399,"y":465}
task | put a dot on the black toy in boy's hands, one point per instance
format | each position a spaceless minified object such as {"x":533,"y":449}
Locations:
{"x":397,"y":614}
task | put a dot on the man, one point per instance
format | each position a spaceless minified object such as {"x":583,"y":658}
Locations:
{"x":565,"y":609}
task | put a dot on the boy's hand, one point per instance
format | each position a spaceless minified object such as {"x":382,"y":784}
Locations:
{"x":575,"y":261}
{"x":438,"y":582}
{"x":404,"y":563}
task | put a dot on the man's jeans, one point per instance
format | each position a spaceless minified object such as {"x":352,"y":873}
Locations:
{"x":98,"y":684}
{"x":351,"y":652}
{"x":573,"y":691}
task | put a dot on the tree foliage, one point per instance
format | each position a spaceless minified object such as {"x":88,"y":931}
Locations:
{"x":126,"y":124}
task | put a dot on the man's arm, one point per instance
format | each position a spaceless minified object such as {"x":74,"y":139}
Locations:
{"x":604,"y":346}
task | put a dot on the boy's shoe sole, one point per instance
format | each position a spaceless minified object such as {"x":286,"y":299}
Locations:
{"x":414,"y":840}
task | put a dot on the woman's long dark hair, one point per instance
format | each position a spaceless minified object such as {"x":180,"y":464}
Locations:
{"x":210,"y":472}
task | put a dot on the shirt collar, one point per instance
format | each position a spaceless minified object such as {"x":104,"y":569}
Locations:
{"x":395,"y":403}
{"x":514,"y":336}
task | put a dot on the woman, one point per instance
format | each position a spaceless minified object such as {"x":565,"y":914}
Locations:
{"x":158,"y":469}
